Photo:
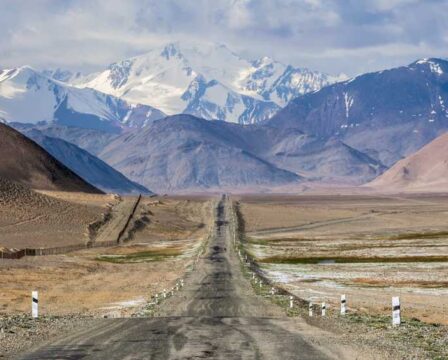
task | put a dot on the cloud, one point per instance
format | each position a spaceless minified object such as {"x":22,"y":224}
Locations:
{"x":335,"y":36}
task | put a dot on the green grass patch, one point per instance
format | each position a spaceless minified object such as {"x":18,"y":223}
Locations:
{"x":351,"y":259}
{"x":420,"y":235}
{"x":141,"y":256}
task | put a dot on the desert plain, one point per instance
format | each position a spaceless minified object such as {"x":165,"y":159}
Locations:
{"x":368,"y":247}
{"x":160,"y":244}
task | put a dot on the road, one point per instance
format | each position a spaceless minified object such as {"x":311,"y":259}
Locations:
{"x":215,"y":316}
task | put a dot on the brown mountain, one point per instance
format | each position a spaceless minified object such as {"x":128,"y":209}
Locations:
{"x":425,"y":170}
{"x":25,"y":162}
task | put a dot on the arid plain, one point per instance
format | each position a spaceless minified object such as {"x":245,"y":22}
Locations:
{"x":158,"y":246}
{"x":368,"y":247}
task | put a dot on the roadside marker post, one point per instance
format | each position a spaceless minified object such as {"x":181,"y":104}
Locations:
{"x":396,"y":311}
{"x":291,"y":302}
{"x":324,"y":309}
{"x":34,"y":304}
{"x":310,"y":309}
{"x":164,"y":293}
{"x":272,"y":291}
{"x":343,"y":305}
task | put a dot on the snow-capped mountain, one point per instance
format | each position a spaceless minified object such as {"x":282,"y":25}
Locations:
{"x":206,"y":80}
{"x":387,"y":114}
{"x":28,"y":96}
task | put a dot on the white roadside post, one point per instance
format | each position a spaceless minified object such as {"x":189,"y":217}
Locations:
{"x":396,"y":316}
{"x":157,"y":298}
{"x":34,"y":304}
{"x":291,"y":302}
{"x":324,"y":309}
{"x":164,"y":293}
{"x":343,"y":305}
{"x":310,"y":309}
{"x":272,"y":291}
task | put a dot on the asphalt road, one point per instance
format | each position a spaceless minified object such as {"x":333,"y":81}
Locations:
{"x":215,"y":316}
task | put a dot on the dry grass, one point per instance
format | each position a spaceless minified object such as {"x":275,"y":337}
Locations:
{"x":97,"y":280}
{"x":388,"y":246}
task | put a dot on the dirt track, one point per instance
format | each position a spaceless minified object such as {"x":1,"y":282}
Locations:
{"x":216,"y":315}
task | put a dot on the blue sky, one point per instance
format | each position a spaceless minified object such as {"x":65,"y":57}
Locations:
{"x":349,"y":36}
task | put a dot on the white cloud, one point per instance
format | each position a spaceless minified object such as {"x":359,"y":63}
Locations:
{"x":331,"y":35}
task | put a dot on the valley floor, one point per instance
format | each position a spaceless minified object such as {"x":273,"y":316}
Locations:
{"x":369,"y":248}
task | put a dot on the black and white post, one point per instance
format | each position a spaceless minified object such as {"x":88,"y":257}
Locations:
{"x":396,"y":316}
{"x":324,"y":309}
{"x":310,"y":309}
{"x":291,"y":302}
{"x":34,"y":304}
{"x":343,"y":305}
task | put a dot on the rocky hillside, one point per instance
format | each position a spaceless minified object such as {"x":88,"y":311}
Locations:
{"x":388,"y":114}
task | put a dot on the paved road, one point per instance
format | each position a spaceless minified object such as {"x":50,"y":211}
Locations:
{"x":215,"y":316}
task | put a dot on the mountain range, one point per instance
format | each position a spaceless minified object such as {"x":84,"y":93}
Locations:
{"x":28,"y":96}
{"x":295,"y":126}
{"x":388,"y":114}
{"x":26,"y":163}
{"x":185,"y":152}
{"x":204,"y":79}
{"x":95,"y":171}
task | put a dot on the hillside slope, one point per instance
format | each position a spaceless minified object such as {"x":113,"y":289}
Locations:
{"x":25,"y":162}
{"x":426,"y":170}
{"x":387,"y":114}
{"x":183,"y":152}
{"x":86,"y":165}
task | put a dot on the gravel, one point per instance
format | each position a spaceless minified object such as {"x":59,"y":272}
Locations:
{"x":20,"y":332}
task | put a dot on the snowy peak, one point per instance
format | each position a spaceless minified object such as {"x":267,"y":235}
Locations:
{"x":434,"y":65}
{"x":206,"y":79}
{"x":28,"y":96}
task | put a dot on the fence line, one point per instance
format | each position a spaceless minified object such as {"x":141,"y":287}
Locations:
{"x":239,"y":240}
{"x":69,"y":248}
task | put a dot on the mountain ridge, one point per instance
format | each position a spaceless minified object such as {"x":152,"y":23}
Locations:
{"x":387,"y":114}
{"x":28,"y":96}
{"x":25,"y":162}
{"x":208,"y":80}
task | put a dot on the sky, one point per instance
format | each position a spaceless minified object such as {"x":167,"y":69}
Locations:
{"x":333,"y":36}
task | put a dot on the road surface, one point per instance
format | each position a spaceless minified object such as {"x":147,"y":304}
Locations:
{"x":215,"y":316}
